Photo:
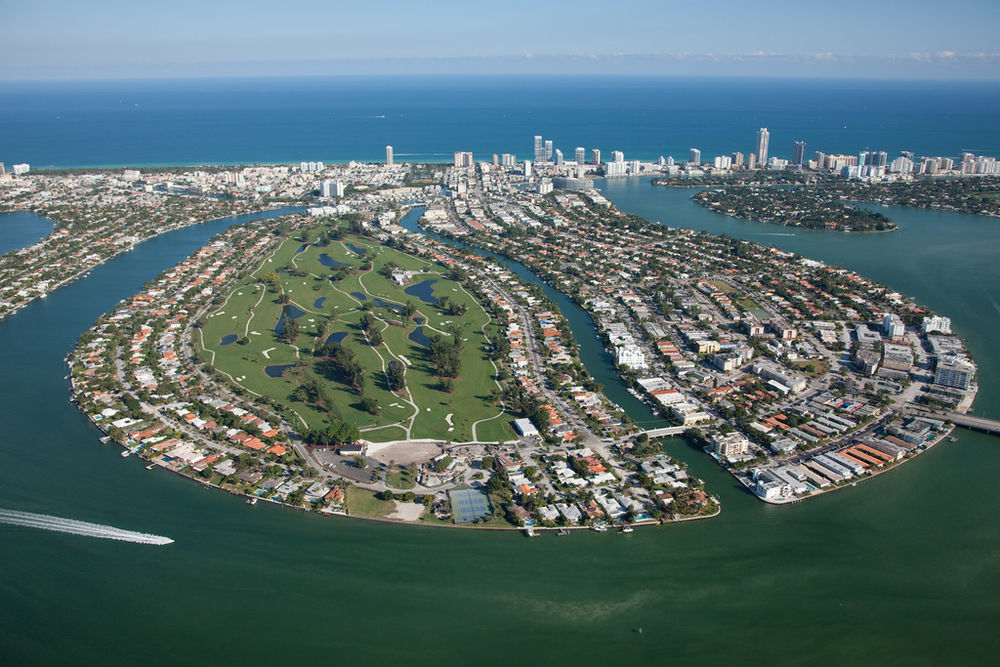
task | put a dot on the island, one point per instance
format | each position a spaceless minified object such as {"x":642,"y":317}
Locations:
{"x":807,"y":207}
{"x":824,"y":202}
{"x":329,"y":362}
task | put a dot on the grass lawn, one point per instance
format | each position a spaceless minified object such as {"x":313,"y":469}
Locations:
{"x":401,"y":477}
{"x":321,"y":307}
{"x":820,"y":367}
{"x":722,"y":286}
{"x":429,"y":517}
{"x":361,"y":502}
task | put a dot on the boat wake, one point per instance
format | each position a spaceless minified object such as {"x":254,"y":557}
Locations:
{"x":73,"y":527}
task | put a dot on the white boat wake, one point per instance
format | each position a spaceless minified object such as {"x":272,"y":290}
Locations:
{"x":73,"y":527}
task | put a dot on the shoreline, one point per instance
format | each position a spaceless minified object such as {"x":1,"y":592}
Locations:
{"x":76,"y":276}
{"x":399,"y":522}
{"x":882,"y":470}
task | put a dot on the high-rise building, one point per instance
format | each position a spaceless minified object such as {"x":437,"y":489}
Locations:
{"x":548,"y":150}
{"x":539,"y":149}
{"x":901,"y":165}
{"x":799,"y":153}
{"x":893,"y":326}
{"x":559,"y":157}
{"x":935,"y":324}
{"x":612,"y":169}
{"x":327,"y":188}
{"x":694,"y":156}
{"x":752,"y":161}
{"x":527,"y":168}
{"x":617,"y":156}
{"x":954,"y":372}
{"x":388,"y":155}
{"x":580,"y":155}
{"x":595,"y":156}
{"x":737,"y":159}
{"x":763,"y":137}
{"x":463,"y":159}
{"x":507,"y":160}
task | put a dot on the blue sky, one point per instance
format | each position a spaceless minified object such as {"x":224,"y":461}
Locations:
{"x":113,"y":38}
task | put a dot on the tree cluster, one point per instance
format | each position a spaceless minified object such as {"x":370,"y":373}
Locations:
{"x":339,"y":360}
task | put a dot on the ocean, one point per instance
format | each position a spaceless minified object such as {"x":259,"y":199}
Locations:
{"x":338,"y":119}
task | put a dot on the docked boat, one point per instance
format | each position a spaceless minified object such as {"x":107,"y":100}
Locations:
{"x":126,"y":453}
{"x":530,"y":532}
{"x":598,"y":528}
{"x":251,"y":501}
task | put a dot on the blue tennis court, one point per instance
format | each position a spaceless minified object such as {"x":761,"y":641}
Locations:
{"x":468,"y":505}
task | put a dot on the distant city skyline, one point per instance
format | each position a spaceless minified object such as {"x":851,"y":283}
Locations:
{"x":115,"y":39}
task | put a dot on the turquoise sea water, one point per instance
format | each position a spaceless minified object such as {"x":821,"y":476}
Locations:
{"x":904,"y":569}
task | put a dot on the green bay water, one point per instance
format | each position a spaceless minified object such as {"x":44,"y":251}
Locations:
{"x":904,"y":569}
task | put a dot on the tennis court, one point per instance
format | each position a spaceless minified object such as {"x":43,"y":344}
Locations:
{"x":468,"y":505}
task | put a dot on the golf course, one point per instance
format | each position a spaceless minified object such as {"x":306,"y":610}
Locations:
{"x":336,"y":327}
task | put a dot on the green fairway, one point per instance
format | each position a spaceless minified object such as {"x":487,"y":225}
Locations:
{"x":326,"y":292}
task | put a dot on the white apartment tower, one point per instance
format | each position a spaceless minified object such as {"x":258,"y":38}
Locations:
{"x":763,"y":137}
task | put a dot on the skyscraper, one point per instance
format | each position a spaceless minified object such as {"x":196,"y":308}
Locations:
{"x":539,"y":149}
{"x":799,"y":153}
{"x":595,"y":156}
{"x":581,"y":155}
{"x":763,"y":137}
{"x":694,"y":156}
{"x":559,"y":156}
{"x":617,"y":156}
{"x":548,"y":150}
{"x":388,"y":155}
